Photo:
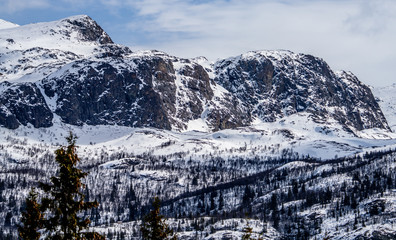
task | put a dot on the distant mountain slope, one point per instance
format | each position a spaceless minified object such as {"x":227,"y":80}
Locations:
{"x":387,"y":101}
{"x":205,"y":198}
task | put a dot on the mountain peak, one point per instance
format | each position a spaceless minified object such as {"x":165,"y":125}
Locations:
{"x":77,"y":34}
{"x":55,"y":43}
{"x":89,"y":30}
{"x":81,"y":17}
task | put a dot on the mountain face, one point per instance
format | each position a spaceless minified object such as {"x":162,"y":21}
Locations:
{"x":276,"y":84}
{"x":23,"y":104}
{"x":73,"y":69}
{"x":155,"y":91}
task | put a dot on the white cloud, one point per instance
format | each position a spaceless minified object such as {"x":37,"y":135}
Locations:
{"x":373,"y":17}
{"x":11,"y":6}
{"x":351,"y":35}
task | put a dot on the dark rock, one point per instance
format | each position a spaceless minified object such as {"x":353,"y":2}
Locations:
{"x":89,"y":30}
{"x":146,"y":95}
{"x":248,"y":79}
{"x":148,"y":91}
{"x":23,"y":103}
{"x":7,"y":118}
{"x":99,"y":93}
{"x":200,"y":81}
{"x":364,"y":111}
{"x":113,"y":51}
{"x":229,"y":112}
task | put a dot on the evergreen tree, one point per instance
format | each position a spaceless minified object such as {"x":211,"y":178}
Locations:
{"x":154,"y":227}
{"x":273,"y":205}
{"x":247,"y":233}
{"x":32,"y":218}
{"x":66,"y":198}
{"x":221,"y":201}
{"x":7,"y":219}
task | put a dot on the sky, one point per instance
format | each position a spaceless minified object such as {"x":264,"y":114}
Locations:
{"x":352,"y":35}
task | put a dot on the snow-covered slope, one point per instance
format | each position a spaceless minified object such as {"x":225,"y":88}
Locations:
{"x":5,"y":24}
{"x":77,"y":34}
{"x":387,"y":100}
{"x":292,"y":137}
{"x":30,"y":52}
{"x":206,"y":195}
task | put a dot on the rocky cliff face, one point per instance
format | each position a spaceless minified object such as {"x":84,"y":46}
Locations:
{"x":152,"y":90}
{"x":104,"y":83}
{"x":21,"y":104}
{"x":275,"y":84}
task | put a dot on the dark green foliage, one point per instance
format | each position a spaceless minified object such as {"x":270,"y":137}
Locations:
{"x":66,"y":199}
{"x":31,"y":219}
{"x":247,"y":232}
{"x":154,"y":227}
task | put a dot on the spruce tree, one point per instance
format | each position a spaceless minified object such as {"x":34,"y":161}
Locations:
{"x":66,"y":199}
{"x":247,"y":233}
{"x":154,"y":227}
{"x":31,"y":218}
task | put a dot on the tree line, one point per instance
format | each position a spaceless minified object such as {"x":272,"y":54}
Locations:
{"x":284,"y":185}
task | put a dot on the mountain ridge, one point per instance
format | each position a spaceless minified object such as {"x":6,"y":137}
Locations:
{"x":109,"y":84}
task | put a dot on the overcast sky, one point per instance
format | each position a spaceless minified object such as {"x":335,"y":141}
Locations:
{"x":353,"y":35}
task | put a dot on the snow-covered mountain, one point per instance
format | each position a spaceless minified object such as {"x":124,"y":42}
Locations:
{"x":72,"y":69}
{"x":30,"y":52}
{"x":214,"y":140}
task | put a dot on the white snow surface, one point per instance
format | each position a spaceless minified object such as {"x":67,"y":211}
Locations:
{"x":5,"y":24}
{"x":288,"y":137}
{"x":58,"y":35}
{"x":387,"y":102}
{"x":224,"y":229}
{"x":30,"y":52}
